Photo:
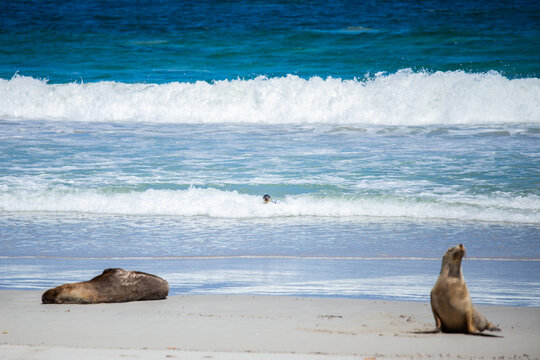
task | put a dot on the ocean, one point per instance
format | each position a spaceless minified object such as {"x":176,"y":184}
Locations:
{"x":144,"y":134}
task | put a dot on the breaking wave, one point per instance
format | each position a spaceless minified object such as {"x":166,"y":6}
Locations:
{"x":403,"y":98}
{"x":216,"y":203}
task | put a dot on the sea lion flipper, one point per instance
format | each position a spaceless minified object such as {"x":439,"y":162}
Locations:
{"x":433,"y":331}
{"x":485,"y":334}
{"x":492,"y":327}
{"x":108,"y":270}
{"x":438,"y":322}
{"x":471,"y":327}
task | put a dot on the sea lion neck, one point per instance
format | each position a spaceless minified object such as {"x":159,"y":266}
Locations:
{"x":451,"y":264}
{"x":454,"y":269}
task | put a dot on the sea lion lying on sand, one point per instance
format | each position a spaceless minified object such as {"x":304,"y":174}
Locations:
{"x":112,"y":286}
{"x":450,"y":300}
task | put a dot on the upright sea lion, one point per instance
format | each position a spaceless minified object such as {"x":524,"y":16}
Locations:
{"x":113,"y":285}
{"x":450,"y":300}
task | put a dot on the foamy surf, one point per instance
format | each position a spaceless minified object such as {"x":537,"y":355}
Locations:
{"x":402,"y":98}
{"x":216,"y":203}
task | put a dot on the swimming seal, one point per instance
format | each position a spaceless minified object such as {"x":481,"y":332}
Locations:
{"x":450,"y":299}
{"x":112,"y":286}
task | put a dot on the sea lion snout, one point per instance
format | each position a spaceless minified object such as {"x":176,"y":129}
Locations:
{"x":49,"y":296}
{"x":454,"y":255}
{"x":58,"y":295}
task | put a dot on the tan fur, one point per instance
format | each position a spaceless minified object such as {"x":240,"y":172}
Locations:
{"x":113,"y":285}
{"x":450,"y":299}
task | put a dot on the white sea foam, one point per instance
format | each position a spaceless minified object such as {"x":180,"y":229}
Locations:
{"x":231,"y":204}
{"x":402,"y":98}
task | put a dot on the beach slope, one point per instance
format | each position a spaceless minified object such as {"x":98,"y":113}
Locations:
{"x":251,"y":327}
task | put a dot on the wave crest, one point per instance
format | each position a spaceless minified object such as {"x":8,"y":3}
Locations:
{"x":402,"y":98}
{"x":216,"y":203}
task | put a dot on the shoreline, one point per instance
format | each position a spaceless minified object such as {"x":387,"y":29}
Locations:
{"x":251,"y":327}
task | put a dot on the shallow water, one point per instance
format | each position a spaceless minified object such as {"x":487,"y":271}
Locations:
{"x":355,"y":207}
{"x":489,"y":282}
{"x":144,"y":137}
{"x":311,"y":256}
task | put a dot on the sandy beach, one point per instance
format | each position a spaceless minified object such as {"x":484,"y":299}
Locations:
{"x":250,"y":327}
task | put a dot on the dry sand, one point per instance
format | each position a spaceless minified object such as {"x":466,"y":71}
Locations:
{"x":251,"y":328}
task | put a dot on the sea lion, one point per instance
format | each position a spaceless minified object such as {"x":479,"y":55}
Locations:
{"x":112,"y":286}
{"x":450,"y":300}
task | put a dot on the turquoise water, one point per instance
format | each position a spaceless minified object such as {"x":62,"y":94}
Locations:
{"x":356,"y":207}
{"x":145,"y":135}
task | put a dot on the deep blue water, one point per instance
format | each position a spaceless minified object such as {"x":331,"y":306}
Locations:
{"x":164,"y":41}
{"x":144,"y":134}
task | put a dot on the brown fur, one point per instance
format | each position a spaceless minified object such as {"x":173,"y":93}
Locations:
{"x":113,"y":285}
{"x":450,"y":300}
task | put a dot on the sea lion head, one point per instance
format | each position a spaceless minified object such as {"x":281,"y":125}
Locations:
{"x":451,"y":262}
{"x":64,"y":294}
